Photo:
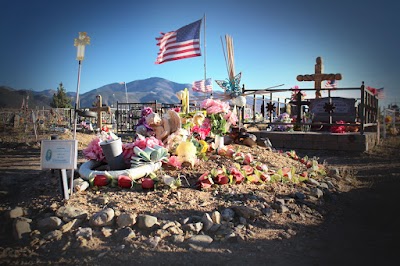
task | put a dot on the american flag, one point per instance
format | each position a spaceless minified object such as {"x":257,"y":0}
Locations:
{"x":202,"y":86}
{"x":331,"y":84}
{"x":179,"y":44}
{"x":381,"y":93}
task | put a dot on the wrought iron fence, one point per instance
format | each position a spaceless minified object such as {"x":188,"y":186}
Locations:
{"x":365,"y":110}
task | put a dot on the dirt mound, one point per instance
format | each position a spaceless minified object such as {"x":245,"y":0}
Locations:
{"x":278,"y":223}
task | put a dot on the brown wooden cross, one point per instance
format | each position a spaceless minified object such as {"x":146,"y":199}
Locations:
{"x":100,"y":108}
{"x":318,"y":77}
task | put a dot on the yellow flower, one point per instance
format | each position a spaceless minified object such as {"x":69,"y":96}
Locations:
{"x":204,"y":146}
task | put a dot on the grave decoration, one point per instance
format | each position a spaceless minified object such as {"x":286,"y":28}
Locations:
{"x":283,"y":118}
{"x":146,"y":156}
{"x":319,"y":76}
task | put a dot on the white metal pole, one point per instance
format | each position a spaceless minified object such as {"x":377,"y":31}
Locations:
{"x":126,"y":93}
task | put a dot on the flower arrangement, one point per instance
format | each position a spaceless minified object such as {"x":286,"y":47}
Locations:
{"x":219,"y":115}
{"x":283,"y":118}
{"x":94,"y":151}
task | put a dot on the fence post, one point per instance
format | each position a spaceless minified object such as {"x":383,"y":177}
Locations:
{"x":362,"y":112}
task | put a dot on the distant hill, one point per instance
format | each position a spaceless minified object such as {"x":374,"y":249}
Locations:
{"x":139,"y":91}
{"x":11,"y":98}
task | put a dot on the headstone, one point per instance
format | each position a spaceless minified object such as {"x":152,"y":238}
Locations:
{"x":344,"y":109}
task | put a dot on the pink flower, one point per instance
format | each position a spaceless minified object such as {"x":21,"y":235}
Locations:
{"x":237,"y":175}
{"x":94,"y":151}
{"x":202,"y":131}
{"x":205,"y":181}
{"x":248,"y":158}
{"x":173,"y":160}
{"x":127,"y":152}
{"x":231,"y":118}
{"x":143,"y":142}
{"x":214,"y":106}
{"x":222,"y":179}
{"x":146,"y":111}
{"x":248,"y":169}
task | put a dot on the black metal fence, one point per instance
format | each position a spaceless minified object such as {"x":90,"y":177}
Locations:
{"x":366,"y":109}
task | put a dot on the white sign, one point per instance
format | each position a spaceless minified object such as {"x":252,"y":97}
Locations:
{"x":59,"y":154}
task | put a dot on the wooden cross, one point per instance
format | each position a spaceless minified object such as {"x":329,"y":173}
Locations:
{"x":318,"y":77}
{"x":100,"y":108}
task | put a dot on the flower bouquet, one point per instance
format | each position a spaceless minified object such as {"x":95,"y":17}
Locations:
{"x":220,"y":116}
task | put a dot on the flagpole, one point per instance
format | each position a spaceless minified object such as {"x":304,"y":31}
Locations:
{"x":205,"y":53}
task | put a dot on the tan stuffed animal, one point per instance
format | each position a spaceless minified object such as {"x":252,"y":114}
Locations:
{"x":164,"y":126}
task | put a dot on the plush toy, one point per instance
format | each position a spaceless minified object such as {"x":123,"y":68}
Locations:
{"x":164,"y":126}
{"x":186,"y":152}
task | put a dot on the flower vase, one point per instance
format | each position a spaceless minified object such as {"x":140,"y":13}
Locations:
{"x":112,"y":150}
{"x":219,"y":141}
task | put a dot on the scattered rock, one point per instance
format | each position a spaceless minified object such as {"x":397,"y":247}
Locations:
{"x":102,"y":218}
{"x":200,"y":240}
{"x":22,"y":227}
{"x":16,"y":212}
{"x":86,"y":232}
{"x":49,"y":223}
{"x":126,"y":219}
{"x":146,"y":221}
{"x":68,"y":213}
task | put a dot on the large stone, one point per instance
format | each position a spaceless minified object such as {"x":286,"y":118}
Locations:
{"x":21,"y":227}
{"x":49,"y":223}
{"x":102,"y":218}
{"x":68,"y":213}
{"x":126,"y":219}
{"x":246,"y":212}
{"x":207,"y":222}
{"x":146,"y":221}
{"x":200,"y":240}
{"x":86,"y":232}
{"x":228,"y":214}
{"x":16,"y":212}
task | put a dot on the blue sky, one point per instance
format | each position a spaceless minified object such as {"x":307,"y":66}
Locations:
{"x":274,"y":41}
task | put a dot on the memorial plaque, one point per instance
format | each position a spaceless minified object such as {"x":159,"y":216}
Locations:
{"x":344,"y":109}
{"x":59,"y":154}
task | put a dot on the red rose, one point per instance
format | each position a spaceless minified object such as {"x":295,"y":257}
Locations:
{"x":222,"y":179}
{"x":124,"y":181}
{"x":101,"y":180}
{"x":147,"y":183}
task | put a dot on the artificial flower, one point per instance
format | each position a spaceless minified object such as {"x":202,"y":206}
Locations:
{"x":173,"y":161}
{"x":147,"y":183}
{"x":205,"y":181}
{"x":219,"y":116}
{"x":101,"y":180}
{"x":124,"y":181}
{"x":339,"y":128}
{"x":236,"y":174}
{"x":94,"y":151}
{"x":248,"y":158}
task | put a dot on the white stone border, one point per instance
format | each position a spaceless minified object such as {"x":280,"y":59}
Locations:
{"x":86,"y":170}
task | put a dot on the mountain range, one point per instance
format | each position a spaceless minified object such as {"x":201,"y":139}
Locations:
{"x":139,"y":91}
